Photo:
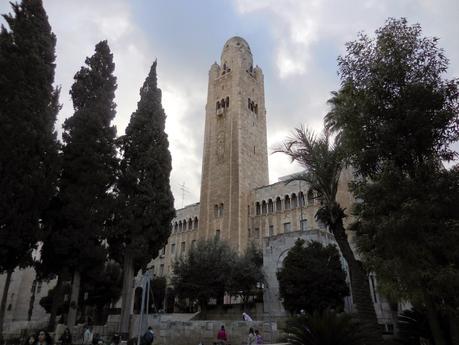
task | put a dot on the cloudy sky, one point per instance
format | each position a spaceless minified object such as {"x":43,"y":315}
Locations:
{"x":296,"y":43}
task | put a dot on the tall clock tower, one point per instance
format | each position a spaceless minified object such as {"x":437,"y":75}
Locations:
{"x":235,"y":158}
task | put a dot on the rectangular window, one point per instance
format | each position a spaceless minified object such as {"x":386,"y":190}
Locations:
{"x":217,"y":234}
{"x":287,"y":227}
{"x":172,"y":248}
{"x":271,"y":230}
{"x":182,"y":248}
{"x":304,"y":224}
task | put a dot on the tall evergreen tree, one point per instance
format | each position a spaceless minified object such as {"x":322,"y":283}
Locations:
{"x":28,"y":144}
{"x":396,"y":115}
{"x":145,"y":201}
{"x":84,"y":203}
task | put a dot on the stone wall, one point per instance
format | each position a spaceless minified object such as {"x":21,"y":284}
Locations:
{"x":193,"y":332}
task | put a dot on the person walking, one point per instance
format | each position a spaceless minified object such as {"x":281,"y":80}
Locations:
{"x":44,"y":338}
{"x":259,"y":339}
{"x":31,"y":340}
{"x":87,"y":335}
{"x":252,"y":339}
{"x":66,"y":337}
{"x":222,"y":338}
{"x":148,"y":337}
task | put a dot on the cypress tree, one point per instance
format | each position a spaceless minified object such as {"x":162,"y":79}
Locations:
{"x":77,"y":220}
{"x":28,"y":144}
{"x":145,"y":201}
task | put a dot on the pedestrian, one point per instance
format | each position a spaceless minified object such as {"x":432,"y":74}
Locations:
{"x":66,"y":337}
{"x":246,"y":317}
{"x":87,"y":335}
{"x":31,"y":340}
{"x":116,"y":339}
{"x":44,"y":338}
{"x":251,"y":340}
{"x":148,"y":337}
{"x":258,"y":337}
{"x":222,"y":338}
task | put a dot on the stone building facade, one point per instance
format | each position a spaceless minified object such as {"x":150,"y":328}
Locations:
{"x":237,"y":202}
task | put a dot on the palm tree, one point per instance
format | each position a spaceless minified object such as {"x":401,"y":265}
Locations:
{"x":323,"y":162}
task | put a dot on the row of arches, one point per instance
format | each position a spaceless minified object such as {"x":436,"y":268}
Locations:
{"x":223,"y":103}
{"x":288,"y":202}
{"x":252,"y":106}
{"x":186,"y":224}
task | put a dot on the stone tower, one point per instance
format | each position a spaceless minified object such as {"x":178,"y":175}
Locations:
{"x":235,"y":158}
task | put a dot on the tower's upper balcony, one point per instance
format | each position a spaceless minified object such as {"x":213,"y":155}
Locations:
{"x":236,"y":54}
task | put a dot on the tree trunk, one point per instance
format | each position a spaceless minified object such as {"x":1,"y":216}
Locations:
{"x":57,"y":300}
{"x":126,"y":295}
{"x":71,"y":318}
{"x":360,"y":288}
{"x":4,"y":301}
{"x":435,"y":325}
{"x":454,"y":329}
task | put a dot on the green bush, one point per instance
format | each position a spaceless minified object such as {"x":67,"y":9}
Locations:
{"x":323,"y":328}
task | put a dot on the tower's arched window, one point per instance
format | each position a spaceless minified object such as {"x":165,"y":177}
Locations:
{"x":218,"y":105}
{"x":251,"y":105}
{"x":180,"y":225}
{"x":270,"y":206}
{"x":287,"y":202}
{"x":196,"y":223}
{"x":190,"y":224}
{"x":216,"y":211}
{"x":294,"y":201}
{"x":220,"y":210}
{"x":222,"y":102}
{"x":263,"y":207}
{"x":301,"y":198}
{"x":224,"y":66}
{"x":310,"y":197}
{"x":278,"y":204}
{"x":257,"y":209}
{"x":175,"y":226}
{"x":227,"y":102}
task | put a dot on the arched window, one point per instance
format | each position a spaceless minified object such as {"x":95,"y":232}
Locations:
{"x":310,"y":197}
{"x":180,"y":225}
{"x":190,"y":224}
{"x":278,"y":204}
{"x":301,"y":199}
{"x":227,"y":102}
{"x":195,"y":223}
{"x":222,"y":102}
{"x":287,"y":202}
{"x":263,"y":207}
{"x":257,"y":208}
{"x":294,"y":201}
{"x":270,"y":206}
{"x":218,"y":105}
{"x":224,"y":66}
{"x":248,"y":103}
{"x":220,"y":210}
{"x":175,"y":226}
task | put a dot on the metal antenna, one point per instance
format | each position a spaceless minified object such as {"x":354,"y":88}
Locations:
{"x":184,"y":190}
